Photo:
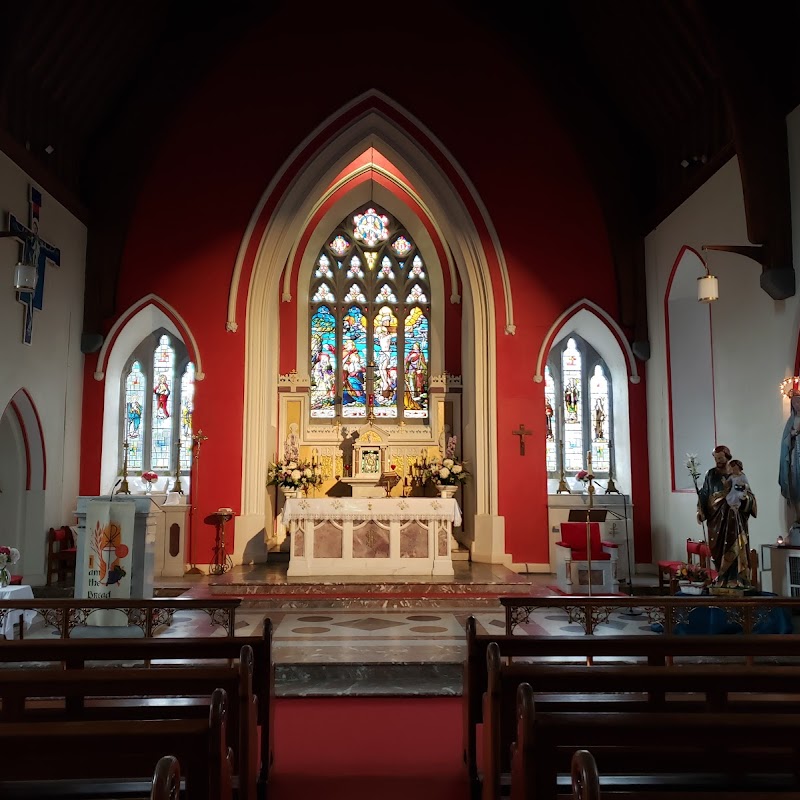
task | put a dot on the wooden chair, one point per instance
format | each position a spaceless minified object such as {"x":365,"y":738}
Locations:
{"x":61,"y":553}
{"x":754,"y":578}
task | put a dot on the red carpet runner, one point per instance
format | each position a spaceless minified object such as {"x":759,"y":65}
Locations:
{"x":368,"y":748}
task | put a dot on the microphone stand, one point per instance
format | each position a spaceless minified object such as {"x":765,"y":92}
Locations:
{"x":631,"y":611}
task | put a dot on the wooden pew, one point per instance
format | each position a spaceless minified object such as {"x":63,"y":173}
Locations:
{"x":585,"y":780}
{"x":636,"y":719}
{"x":117,"y":694}
{"x":576,"y":650}
{"x":167,"y":780}
{"x":101,"y":749}
{"x":164,"y":653}
{"x":583,"y":769}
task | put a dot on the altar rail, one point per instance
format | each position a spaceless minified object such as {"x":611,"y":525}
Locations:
{"x":667,"y":611}
{"x":146,"y":614}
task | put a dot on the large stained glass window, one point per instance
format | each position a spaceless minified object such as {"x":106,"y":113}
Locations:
{"x":157,"y":407}
{"x":578,"y":411}
{"x":370,"y":322}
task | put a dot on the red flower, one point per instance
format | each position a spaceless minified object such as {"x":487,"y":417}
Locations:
{"x":150,"y":476}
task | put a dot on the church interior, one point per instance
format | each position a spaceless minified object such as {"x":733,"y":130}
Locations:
{"x":357,"y":352}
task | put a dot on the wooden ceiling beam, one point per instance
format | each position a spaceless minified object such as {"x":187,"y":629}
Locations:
{"x":761,"y":140}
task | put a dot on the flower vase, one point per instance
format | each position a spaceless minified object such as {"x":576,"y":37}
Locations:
{"x":448,"y":492}
{"x":288,"y":492}
{"x":5,"y":578}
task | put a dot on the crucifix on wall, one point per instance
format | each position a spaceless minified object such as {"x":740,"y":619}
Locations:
{"x":36,"y":252}
{"x":522,"y":433}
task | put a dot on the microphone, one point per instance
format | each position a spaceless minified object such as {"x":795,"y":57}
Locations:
{"x":119,"y":481}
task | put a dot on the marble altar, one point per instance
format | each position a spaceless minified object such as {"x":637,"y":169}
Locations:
{"x":381,"y":536}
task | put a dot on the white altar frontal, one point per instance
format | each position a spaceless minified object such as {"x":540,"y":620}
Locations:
{"x":380,"y":536}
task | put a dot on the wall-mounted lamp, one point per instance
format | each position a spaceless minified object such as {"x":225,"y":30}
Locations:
{"x":707,"y":286}
{"x":25,"y":275}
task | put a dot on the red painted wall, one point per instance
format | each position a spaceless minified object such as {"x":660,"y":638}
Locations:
{"x":232,"y":136}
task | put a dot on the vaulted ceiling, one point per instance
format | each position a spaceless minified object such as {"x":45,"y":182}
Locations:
{"x":656,"y":96}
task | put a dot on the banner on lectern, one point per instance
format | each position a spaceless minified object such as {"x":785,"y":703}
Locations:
{"x":107,"y":555}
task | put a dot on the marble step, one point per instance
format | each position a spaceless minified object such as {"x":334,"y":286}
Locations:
{"x":368,"y":680}
{"x":329,"y":587}
{"x":377,"y":603}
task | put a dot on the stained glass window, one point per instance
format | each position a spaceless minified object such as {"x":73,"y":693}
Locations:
{"x":371,"y":333}
{"x":550,"y":406}
{"x":385,"y":349}
{"x":134,"y":403}
{"x":157,"y":406}
{"x":578,"y":411}
{"x":187,"y":409}
{"x":323,"y":363}
{"x":371,"y":227}
{"x":161,"y":426}
{"x":402,"y":246}
{"x":598,"y":395}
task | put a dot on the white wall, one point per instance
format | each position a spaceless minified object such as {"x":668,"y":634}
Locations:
{"x":754,"y":339}
{"x":51,"y":369}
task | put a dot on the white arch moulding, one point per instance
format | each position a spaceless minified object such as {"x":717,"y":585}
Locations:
{"x":138,"y":321}
{"x":176,"y":322}
{"x":588,"y":320}
{"x":439,"y":197}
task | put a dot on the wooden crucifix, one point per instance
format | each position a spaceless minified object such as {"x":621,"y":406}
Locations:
{"x":522,"y":433}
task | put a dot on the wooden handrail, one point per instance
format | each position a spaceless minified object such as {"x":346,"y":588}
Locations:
{"x":64,"y":614}
{"x":668,"y":611}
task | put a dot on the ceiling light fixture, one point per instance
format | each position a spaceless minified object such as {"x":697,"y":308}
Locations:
{"x":707,"y":286}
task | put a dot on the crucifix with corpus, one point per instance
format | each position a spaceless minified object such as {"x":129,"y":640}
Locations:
{"x":36,"y":252}
{"x":522,"y":433}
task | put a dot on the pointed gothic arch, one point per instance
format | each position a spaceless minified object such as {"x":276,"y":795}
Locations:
{"x":598,"y":327}
{"x":142,"y":318}
{"x":690,"y":367}
{"x":444,"y":196}
{"x":23,"y":474}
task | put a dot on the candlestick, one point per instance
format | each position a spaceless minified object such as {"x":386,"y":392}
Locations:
{"x":562,"y":483}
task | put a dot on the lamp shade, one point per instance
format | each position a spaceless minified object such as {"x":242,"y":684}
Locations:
{"x":707,"y":288}
{"x":25,"y":277}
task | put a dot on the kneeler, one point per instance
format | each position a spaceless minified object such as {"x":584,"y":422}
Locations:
{"x":572,"y":563}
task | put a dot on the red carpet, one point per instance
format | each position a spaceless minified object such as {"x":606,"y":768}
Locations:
{"x":368,"y":748}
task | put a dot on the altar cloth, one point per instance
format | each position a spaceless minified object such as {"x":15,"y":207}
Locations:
{"x":405,"y":508}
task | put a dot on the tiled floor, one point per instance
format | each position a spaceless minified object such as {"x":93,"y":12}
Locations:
{"x":367,"y":635}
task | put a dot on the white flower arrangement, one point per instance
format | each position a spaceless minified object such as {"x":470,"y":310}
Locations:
{"x":294,"y":474}
{"x":8,"y":555}
{"x":446,"y":472}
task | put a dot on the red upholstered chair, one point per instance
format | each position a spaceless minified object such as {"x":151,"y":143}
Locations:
{"x":61,"y":553}
{"x":572,"y":560}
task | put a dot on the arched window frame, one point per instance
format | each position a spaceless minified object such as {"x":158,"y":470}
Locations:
{"x":590,"y":359}
{"x":403,"y":284}
{"x":144,"y":353}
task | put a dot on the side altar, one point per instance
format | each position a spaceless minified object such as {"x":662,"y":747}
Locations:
{"x":371,"y":536}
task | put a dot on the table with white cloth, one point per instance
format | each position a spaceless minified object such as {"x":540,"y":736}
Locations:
{"x":9,"y":618}
{"x":371,"y":536}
